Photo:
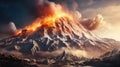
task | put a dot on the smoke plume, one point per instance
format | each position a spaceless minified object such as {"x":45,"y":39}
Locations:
{"x":8,"y":28}
{"x":94,"y":23}
{"x":46,"y":8}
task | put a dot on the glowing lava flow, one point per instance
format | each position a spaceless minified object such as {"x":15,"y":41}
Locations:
{"x":47,"y":21}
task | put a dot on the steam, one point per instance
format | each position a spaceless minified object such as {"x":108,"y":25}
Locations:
{"x":90,"y":53}
{"x":94,"y":23}
{"x":15,"y":53}
{"x":46,"y":8}
{"x":8,"y":28}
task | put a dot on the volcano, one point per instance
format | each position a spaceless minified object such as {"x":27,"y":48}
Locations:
{"x":65,"y":33}
{"x":65,"y":37}
{"x":56,"y":35}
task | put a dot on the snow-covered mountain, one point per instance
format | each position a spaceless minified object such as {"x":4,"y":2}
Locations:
{"x":65,"y":35}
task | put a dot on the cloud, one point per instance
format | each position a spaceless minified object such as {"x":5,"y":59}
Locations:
{"x":74,"y":4}
{"x":111,"y":14}
{"x":15,"y":53}
{"x":94,"y":23}
{"x":8,"y":28}
{"x":46,"y":8}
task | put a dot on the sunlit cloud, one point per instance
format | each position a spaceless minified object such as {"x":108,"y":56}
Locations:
{"x":111,"y":15}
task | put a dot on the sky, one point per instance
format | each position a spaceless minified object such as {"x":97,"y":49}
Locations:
{"x":22,"y":12}
{"x":110,"y":10}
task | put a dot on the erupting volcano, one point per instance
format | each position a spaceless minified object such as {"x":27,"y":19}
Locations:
{"x":48,"y":19}
{"x":56,"y":34}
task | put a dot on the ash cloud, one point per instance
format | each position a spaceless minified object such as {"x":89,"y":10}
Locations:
{"x":46,"y":8}
{"x":94,"y":23}
{"x":8,"y":28}
{"x":74,"y":4}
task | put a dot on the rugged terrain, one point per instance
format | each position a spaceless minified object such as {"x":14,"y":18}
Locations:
{"x":65,"y":44}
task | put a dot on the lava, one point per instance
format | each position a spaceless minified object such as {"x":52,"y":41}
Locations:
{"x":48,"y":19}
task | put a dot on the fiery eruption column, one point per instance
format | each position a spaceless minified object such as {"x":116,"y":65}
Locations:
{"x":48,"y":16}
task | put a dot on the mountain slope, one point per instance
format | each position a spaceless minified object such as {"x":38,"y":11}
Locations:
{"x":65,"y":35}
